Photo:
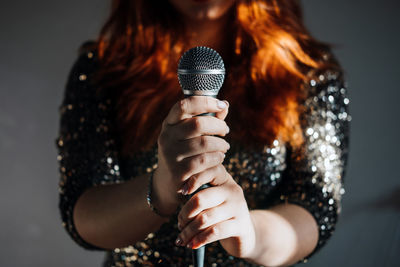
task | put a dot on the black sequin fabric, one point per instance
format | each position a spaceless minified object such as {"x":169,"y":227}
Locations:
{"x":311,"y":176}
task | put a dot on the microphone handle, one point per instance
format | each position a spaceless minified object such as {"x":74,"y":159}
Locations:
{"x":198,"y":254}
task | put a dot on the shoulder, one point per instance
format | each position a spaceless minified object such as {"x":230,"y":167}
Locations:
{"x":80,"y":82}
{"x":326,"y":85}
{"x":326,"y":98}
{"x":329,"y":74}
{"x":86,"y":62}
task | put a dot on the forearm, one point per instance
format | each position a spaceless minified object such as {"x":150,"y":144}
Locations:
{"x":117,"y":215}
{"x":286,"y":233}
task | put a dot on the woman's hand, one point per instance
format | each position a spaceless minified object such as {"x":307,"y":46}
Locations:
{"x":186,"y":147}
{"x":217,"y":213}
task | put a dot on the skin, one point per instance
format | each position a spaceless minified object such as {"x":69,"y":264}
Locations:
{"x":203,"y":11}
{"x":205,"y":21}
{"x":220,"y":213}
{"x":191,"y":152}
{"x":188,"y":159}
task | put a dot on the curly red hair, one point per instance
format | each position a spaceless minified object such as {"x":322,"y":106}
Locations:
{"x":271,"y":53}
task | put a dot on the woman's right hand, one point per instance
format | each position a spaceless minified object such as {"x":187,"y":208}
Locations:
{"x":187,"y":145}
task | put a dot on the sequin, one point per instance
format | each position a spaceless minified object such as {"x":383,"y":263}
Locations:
{"x":82,"y":77}
{"x":310,"y":176}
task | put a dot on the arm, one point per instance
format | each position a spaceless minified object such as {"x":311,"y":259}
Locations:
{"x":287,"y":233}
{"x":107,"y":216}
{"x":311,"y":189}
{"x":91,"y":186}
{"x":313,"y":183}
{"x":99,"y":207}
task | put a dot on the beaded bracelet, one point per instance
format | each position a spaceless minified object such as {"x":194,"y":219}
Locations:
{"x":150,"y":195}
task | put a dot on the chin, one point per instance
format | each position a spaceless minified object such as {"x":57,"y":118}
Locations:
{"x":203,"y":10}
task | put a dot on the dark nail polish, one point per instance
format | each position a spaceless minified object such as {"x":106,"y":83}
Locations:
{"x":185,"y":189}
{"x":178,"y":241}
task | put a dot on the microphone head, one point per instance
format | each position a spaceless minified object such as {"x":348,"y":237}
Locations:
{"x":201,"y":71}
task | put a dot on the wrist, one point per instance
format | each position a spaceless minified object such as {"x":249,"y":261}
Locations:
{"x":253,"y":254}
{"x":272,"y":233}
{"x":162,"y":200}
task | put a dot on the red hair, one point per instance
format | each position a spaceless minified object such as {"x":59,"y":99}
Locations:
{"x":271,"y":52}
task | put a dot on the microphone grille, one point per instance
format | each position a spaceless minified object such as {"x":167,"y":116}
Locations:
{"x":201,"y":69}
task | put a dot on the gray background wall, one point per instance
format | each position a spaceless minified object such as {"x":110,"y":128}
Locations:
{"x":38,"y":44}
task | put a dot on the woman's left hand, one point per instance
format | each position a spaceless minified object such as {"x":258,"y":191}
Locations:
{"x":216,"y":213}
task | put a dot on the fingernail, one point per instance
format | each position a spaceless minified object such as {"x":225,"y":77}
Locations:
{"x":189,"y":245}
{"x":221,"y":104}
{"x":227,"y":129}
{"x":185,"y":189}
{"x":178,"y":241}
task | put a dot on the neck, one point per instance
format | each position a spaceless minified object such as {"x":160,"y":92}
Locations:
{"x":211,"y":33}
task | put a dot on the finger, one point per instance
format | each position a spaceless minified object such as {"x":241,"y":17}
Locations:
{"x":204,"y":220}
{"x":198,"y":126}
{"x":214,"y":233}
{"x":223,"y":113}
{"x":200,"y":145}
{"x":215,"y":176}
{"x":192,"y":106}
{"x":191,"y":165}
{"x":205,"y":199}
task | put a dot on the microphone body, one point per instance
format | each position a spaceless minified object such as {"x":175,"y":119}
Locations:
{"x":201,"y":72}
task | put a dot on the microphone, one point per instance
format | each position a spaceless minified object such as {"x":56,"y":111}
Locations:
{"x":201,"y":72}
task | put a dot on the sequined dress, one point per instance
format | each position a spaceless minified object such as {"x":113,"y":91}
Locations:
{"x":272,"y":174}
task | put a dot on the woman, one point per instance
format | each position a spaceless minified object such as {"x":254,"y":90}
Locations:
{"x":276,"y":161}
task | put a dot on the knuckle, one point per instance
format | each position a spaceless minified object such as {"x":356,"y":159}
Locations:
{"x":214,"y":231}
{"x":197,"y":202}
{"x":203,"y":219}
{"x":202,"y":159}
{"x":237,"y":189}
{"x":202,"y":238}
{"x":197,"y":123}
{"x":189,"y":230}
{"x":203,"y":141}
{"x":220,"y":173}
{"x":183,"y":106}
